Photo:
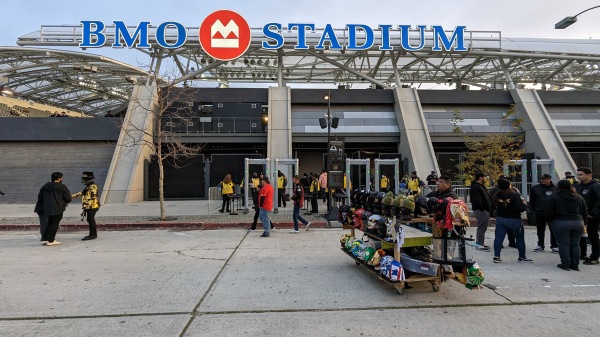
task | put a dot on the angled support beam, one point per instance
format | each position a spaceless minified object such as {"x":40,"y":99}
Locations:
{"x":198,"y":72}
{"x":511,"y":84}
{"x":471,"y":66}
{"x":395,"y":67}
{"x":350,"y":70}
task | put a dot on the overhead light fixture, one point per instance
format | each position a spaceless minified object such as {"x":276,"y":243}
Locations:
{"x":252,"y":62}
{"x":260,"y":62}
{"x":246,"y":61}
{"x":6,"y":91}
{"x":203,"y":60}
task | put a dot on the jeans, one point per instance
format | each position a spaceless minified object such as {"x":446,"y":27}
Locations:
{"x":592,"y":231}
{"x":567,"y":234}
{"x":483,"y":219}
{"x":541,"y":221}
{"x":297,"y":217}
{"x":514,"y":226}
{"x":266,"y":222}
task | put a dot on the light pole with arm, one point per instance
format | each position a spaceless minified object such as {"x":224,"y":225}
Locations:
{"x":328,"y":98}
{"x":569,"y":20}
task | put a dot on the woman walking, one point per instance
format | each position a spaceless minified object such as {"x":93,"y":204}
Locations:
{"x":567,"y":212}
{"x":226,"y":190}
{"x":509,"y":207}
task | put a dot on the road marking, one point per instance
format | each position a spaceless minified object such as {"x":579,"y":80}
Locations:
{"x":181,"y":234}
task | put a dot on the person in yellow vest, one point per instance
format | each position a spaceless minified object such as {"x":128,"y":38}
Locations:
{"x":384,"y":183}
{"x":315,"y":189}
{"x":226,"y":190}
{"x":255,"y":182}
{"x":414,"y":184}
{"x":281,"y":184}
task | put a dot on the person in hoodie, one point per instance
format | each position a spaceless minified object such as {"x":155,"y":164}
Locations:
{"x":482,"y":206}
{"x":538,"y":198}
{"x":589,"y":189}
{"x":567,"y":211}
{"x":509,"y":206}
{"x":90,"y":202}
{"x":54,"y":197}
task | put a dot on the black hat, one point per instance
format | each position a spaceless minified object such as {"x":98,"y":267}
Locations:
{"x":546,"y":176}
{"x":564,"y":185}
{"x":87,"y":175}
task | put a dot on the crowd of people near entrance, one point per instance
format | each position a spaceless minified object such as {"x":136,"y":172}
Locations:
{"x":570,"y":209}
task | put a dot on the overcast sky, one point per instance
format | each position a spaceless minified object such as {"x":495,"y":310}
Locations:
{"x":534,"y":18}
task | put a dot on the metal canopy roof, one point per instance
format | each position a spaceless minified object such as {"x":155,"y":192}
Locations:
{"x":492,"y":61}
{"x":81,"y":82}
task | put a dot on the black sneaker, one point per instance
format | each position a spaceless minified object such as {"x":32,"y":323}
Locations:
{"x":524,"y":259}
{"x":264,"y":235}
{"x":513,"y":245}
{"x":591,"y":262}
{"x":584,"y":258}
{"x":574,"y":267}
{"x":563,"y":267}
{"x":497,"y":259}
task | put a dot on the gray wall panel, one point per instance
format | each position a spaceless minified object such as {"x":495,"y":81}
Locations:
{"x":26,"y":166}
{"x":59,"y":129}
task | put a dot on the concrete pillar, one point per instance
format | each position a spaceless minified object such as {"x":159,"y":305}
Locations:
{"x":125,"y":179}
{"x":415,"y":142}
{"x":541,"y":136}
{"x":279,"y":135}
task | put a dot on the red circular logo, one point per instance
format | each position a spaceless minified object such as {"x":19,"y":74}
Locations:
{"x":224,"y":35}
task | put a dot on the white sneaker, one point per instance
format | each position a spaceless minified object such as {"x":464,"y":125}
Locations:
{"x":294,"y":231}
{"x":307,"y":226}
{"x":555,"y":250}
{"x":538,"y":249}
{"x":53,"y":243}
{"x":44,"y":243}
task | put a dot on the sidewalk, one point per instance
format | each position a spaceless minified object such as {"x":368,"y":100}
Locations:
{"x":183,"y":214}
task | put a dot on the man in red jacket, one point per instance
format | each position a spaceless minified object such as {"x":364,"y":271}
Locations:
{"x":265,"y":202}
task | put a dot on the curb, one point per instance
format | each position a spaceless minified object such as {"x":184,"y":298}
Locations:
{"x":157,"y":225}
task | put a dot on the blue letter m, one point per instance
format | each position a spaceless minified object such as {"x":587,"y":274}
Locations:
{"x":440,"y":35}
{"x":122,"y":31}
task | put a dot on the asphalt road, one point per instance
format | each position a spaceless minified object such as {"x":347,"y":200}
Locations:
{"x":235,"y":283}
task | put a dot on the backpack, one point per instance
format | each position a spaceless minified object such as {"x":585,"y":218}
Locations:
{"x":452,"y":213}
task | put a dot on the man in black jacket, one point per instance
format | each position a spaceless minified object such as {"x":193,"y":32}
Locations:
{"x":54,"y":197}
{"x":538,"y":198}
{"x":443,"y":189}
{"x":481,"y":205}
{"x":589,"y":189}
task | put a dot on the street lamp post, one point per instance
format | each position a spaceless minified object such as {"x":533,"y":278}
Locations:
{"x":328,"y":98}
{"x":569,"y":20}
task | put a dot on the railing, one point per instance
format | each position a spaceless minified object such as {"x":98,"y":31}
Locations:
{"x":213,"y":125}
{"x":463,"y":191}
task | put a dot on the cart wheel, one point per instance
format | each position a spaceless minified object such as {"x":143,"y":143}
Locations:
{"x":400,"y":291}
{"x":357,"y":263}
{"x":435,"y":288}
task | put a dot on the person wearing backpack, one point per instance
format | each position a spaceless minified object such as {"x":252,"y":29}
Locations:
{"x":589,"y":189}
{"x":482,"y":206}
{"x":509,"y":206}
{"x":90,"y":203}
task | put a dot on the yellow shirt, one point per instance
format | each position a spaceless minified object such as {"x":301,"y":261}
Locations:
{"x":255,"y":182}
{"x":314,"y":186}
{"x":227,"y":188}
{"x":384,"y":182}
{"x":413,"y":185}
{"x":280,"y":182}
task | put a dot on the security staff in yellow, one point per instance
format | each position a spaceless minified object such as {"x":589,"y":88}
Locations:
{"x":383,"y":183}
{"x":226,"y":191}
{"x":90,"y":203}
{"x":315,"y":188}
{"x":281,"y":184}
{"x":415,"y":184}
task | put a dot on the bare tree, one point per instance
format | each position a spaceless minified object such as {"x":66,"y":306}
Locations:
{"x":488,"y":154}
{"x":170,"y":116}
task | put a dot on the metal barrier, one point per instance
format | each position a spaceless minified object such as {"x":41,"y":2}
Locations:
{"x":214,"y":194}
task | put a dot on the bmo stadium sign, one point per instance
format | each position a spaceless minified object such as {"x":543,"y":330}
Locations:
{"x":225,"y":35}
